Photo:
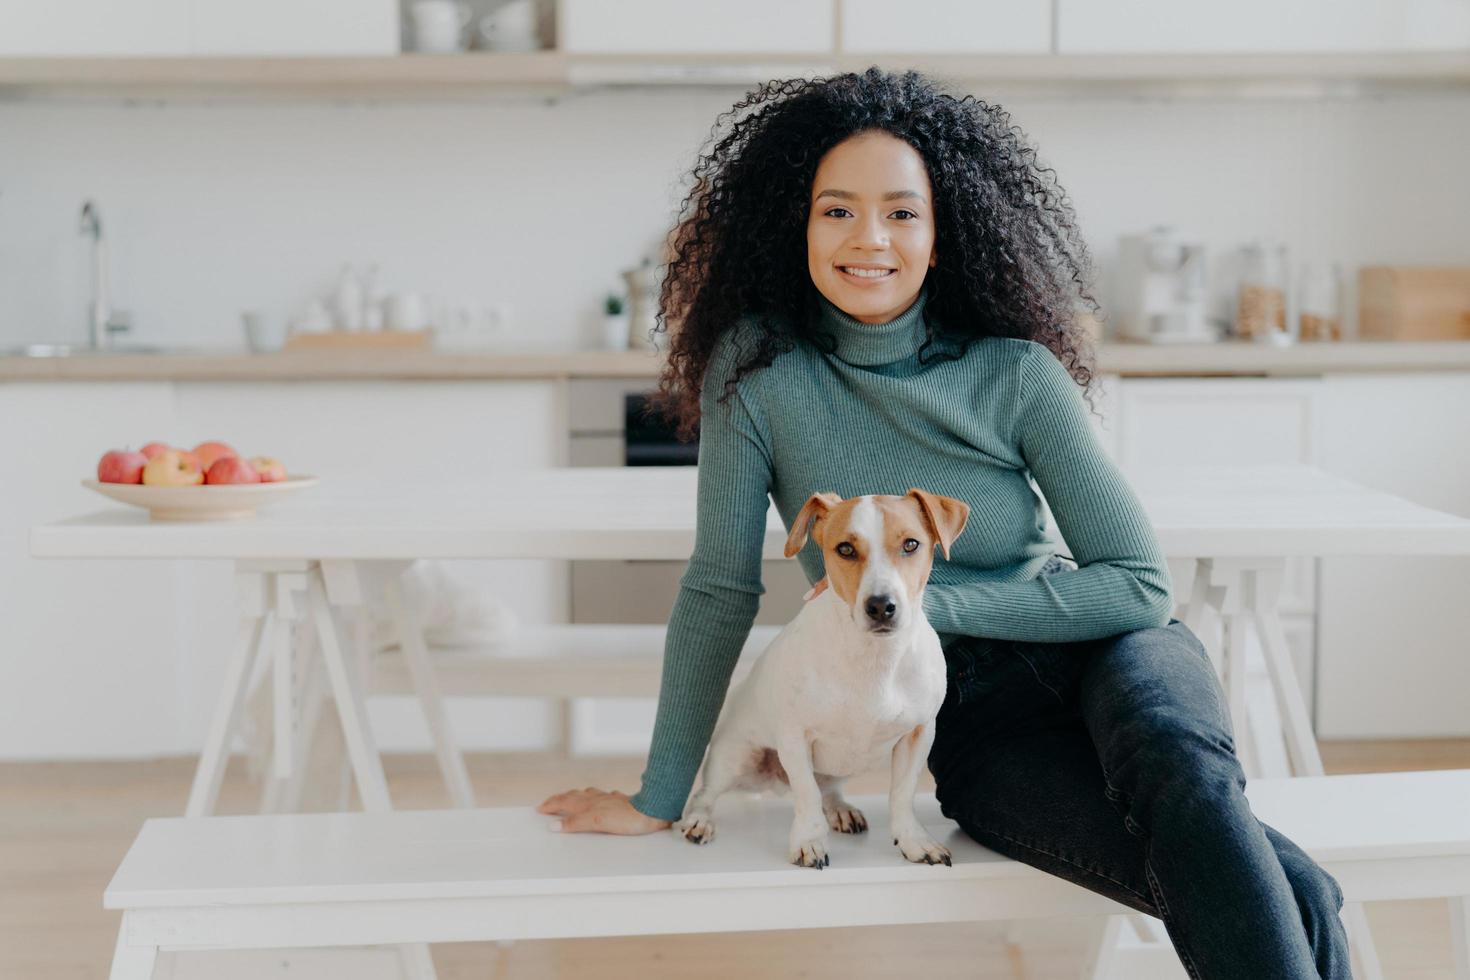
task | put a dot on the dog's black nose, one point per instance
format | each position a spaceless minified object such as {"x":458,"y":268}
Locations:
{"x":880,"y":608}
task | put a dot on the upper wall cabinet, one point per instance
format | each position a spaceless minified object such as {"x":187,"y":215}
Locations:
{"x":1113,"y":26}
{"x":188,"y":28}
{"x":295,"y":27}
{"x":946,"y":27}
{"x":679,"y":26}
{"x":101,"y":28}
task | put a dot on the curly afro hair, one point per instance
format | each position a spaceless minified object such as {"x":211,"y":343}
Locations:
{"x":1011,"y":262}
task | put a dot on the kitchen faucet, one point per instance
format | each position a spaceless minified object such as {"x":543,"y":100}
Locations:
{"x":103,"y":322}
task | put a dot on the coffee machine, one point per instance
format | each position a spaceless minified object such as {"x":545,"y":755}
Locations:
{"x":1162,"y":288}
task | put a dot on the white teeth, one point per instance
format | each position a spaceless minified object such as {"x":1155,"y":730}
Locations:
{"x":866,"y":273}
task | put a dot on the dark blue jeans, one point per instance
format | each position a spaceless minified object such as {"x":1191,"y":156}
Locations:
{"x":1111,"y":763}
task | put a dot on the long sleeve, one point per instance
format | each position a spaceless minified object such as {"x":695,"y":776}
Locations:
{"x":719,"y":595}
{"x":1122,"y":580}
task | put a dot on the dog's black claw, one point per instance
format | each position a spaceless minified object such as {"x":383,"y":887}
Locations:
{"x":947,"y":862}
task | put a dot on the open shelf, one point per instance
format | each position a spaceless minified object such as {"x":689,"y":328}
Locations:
{"x":476,"y":74}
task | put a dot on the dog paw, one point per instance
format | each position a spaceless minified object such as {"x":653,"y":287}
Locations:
{"x":923,"y":849}
{"x":846,"y":819}
{"x":810,"y":854}
{"x":697,"y":828}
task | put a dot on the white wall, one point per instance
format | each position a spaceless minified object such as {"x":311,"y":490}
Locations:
{"x":211,"y":209}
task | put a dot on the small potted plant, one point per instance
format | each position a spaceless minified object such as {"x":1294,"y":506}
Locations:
{"x":614,"y":322}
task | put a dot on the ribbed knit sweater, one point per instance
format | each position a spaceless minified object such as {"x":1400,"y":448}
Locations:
{"x":988,"y":428}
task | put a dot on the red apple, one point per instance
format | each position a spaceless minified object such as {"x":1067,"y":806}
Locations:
{"x":231,"y":469}
{"x":208,"y":452}
{"x":121,"y":466}
{"x":270,"y":470}
{"x":154,"y":448}
{"x":173,"y":469}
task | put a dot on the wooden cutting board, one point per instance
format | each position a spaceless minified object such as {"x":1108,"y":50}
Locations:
{"x":1397,"y":302}
{"x":360,"y":340}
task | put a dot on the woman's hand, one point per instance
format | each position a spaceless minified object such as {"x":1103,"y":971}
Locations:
{"x":599,"y":812}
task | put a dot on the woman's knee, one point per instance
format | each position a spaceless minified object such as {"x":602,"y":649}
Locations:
{"x":1316,"y":890}
{"x":1154,"y":691}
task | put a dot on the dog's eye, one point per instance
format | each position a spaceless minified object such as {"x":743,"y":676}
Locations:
{"x":846,"y":550}
{"x":910,"y":546}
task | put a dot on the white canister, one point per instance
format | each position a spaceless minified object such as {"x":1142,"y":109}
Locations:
{"x":438,"y":25}
{"x":406,"y":311}
{"x":510,"y":27}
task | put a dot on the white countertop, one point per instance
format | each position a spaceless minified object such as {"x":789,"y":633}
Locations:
{"x":1132,"y":359}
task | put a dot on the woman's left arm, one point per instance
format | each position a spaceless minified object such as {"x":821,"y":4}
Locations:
{"x":1122,"y":581}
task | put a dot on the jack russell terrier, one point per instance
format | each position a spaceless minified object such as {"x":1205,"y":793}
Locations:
{"x":856,"y":678}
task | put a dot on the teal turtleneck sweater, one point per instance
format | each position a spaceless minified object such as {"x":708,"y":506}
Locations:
{"x":870,"y":419}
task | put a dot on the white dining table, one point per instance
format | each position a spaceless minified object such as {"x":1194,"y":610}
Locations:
{"x":345,"y":545}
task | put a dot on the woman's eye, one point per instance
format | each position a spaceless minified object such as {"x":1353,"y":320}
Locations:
{"x":910,"y":546}
{"x":828,"y":212}
{"x":846,"y":550}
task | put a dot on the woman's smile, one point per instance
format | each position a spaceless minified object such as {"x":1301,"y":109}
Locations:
{"x":867,"y":276}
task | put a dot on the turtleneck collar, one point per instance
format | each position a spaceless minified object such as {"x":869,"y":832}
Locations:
{"x":868,"y":344}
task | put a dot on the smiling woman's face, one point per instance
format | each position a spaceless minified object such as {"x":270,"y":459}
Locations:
{"x":871,"y":208}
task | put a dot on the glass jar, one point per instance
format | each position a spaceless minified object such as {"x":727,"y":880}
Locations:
{"x":1319,"y":292}
{"x":1260,"y":309}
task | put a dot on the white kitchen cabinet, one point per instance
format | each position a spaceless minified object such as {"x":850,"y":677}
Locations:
{"x":95,"y":28}
{"x":1395,"y":632}
{"x":193,"y":28}
{"x":296,"y":27}
{"x":680,"y":27}
{"x":123,"y":658}
{"x":1217,"y":26}
{"x":90,"y":646}
{"x":946,"y":26}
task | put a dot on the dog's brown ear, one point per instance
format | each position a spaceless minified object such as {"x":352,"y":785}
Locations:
{"x":946,"y":516}
{"x":816,"y":506}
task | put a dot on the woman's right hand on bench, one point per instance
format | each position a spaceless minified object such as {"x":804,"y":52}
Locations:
{"x":600,"y":812}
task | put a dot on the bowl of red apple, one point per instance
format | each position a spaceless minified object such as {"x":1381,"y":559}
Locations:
{"x":211,"y":482}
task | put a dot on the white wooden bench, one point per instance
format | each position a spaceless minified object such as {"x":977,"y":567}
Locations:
{"x":357,"y":879}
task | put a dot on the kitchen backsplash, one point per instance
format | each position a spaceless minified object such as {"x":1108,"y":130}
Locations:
{"x":215,"y":209}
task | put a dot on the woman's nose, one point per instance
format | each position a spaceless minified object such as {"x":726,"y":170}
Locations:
{"x":870,"y":232}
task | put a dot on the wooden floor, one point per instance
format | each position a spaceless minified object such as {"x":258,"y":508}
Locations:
{"x":65,"y":826}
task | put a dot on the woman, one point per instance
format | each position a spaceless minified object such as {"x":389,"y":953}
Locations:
{"x":875,"y":286}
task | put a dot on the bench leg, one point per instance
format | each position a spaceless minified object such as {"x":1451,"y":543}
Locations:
{"x":1460,"y":936}
{"x":1355,"y":917}
{"x":131,"y":962}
